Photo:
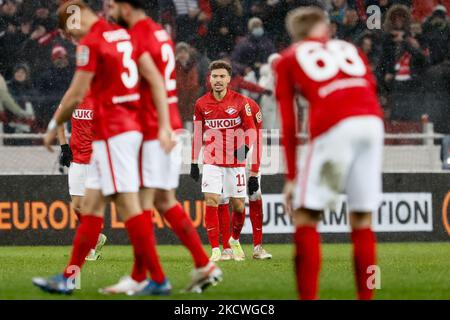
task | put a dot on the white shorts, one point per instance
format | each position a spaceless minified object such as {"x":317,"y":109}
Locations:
{"x":255,"y":196}
{"x":225,"y":181}
{"x":115,"y":164}
{"x":160,"y":170}
{"x":77,"y":178}
{"x":345,"y":159}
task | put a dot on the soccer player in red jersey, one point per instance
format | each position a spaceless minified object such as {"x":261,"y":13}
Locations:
{"x":108,"y":66}
{"x":160,"y":171}
{"x":225,"y":118}
{"x":77,"y":158}
{"x":255,"y":199}
{"x":345,"y":148}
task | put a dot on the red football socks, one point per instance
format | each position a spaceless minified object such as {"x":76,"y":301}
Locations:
{"x":307,"y":261}
{"x":185,"y":231}
{"x":142,"y":237}
{"x":224,"y":223}
{"x":256,"y":217}
{"x":212,"y":225}
{"x":139,"y":272}
{"x":364,"y":255}
{"x":237,"y":222}
{"x":85,"y":239}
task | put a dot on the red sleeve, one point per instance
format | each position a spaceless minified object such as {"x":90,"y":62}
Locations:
{"x":240,"y":83}
{"x":285,"y":93}
{"x":197,"y":141}
{"x":257,"y":147}
{"x":248,"y":124}
{"x":87,"y":56}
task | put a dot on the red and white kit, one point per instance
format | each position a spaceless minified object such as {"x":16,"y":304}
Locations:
{"x":346,"y":128}
{"x":225,"y":124}
{"x":255,"y":153}
{"x":107,"y":51}
{"x":81,"y":146}
{"x":158,"y":169}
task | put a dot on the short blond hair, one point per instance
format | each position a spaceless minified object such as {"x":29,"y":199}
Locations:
{"x":300,"y":21}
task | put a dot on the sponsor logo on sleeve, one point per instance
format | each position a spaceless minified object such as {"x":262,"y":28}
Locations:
{"x":259,"y":117}
{"x":82,"y":55}
{"x":248,"y":110}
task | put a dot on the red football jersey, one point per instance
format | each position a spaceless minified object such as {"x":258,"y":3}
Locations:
{"x":150,"y":37}
{"x":82,"y":135}
{"x":258,"y":121}
{"x":107,"y":51}
{"x":216,"y":123}
{"x":334,"y":76}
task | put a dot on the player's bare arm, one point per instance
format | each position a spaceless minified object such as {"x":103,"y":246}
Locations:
{"x":78,"y":89}
{"x":285,"y":93}
{"x":150,"y":72}
{"x":61,"y":133}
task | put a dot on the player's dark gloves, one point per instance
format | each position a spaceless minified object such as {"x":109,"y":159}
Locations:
{"x":241,"y":153}
{"x":66,"y":157}
{"x":253,"y":185}
{"x":195,"y":172}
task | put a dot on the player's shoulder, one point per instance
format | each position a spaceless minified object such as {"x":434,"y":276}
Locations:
{"x":238,"y":97}
{"x":101,"y":31}
{"x":203,"y":100}
{"x":148,"y":26}
{"x":290,"y":51}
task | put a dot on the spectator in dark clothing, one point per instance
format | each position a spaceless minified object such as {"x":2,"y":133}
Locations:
{"x":352,"y":27}
{"x":202,"y":62}
{"x":53,"y":83}
{"x":33,"y":50}
{"x":384,"y":6}
{"x":42,"y":15}
{"x":191,"y":16}
{"x":187,"y":81}
{"x":437,"y":95}
{"x":23,"y":92}
{"x":367,"y":43}
{"x":224,"y":27}
{"x":252,"y":52}
{"x":402,"y":63}
{"x":9,"y":40}
{"x":436,"y":34}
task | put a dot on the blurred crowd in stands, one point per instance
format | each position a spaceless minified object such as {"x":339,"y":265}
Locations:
{"x":410,"y":53}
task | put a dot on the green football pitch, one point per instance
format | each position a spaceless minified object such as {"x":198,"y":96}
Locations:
{"x":408,"y":271}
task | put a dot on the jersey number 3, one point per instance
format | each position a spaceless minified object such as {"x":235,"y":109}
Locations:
{"x":322,"y":63}
{"x":130,"y":78}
